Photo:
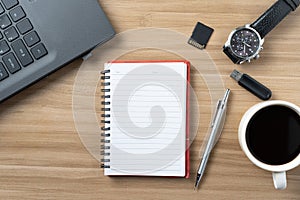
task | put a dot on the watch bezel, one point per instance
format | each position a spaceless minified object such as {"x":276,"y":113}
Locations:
{"x":255,"y":55}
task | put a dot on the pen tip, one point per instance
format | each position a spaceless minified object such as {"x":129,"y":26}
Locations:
{"x":197,"y":181}
{"x":196,"y":186}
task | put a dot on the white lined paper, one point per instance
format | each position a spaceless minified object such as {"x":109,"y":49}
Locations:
{"x":154,"y":97}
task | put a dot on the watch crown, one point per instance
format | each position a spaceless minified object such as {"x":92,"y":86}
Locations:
{"x":249,"y":61}
{"x":257,"y":56}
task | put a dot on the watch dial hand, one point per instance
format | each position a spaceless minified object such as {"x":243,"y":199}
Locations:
{"x":248,"y":45}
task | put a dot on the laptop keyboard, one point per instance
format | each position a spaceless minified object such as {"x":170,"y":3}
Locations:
{"x":20,"y":44}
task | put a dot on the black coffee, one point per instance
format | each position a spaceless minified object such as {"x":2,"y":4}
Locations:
{"x":273,"y":135}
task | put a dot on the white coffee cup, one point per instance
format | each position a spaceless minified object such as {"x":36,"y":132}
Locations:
{"x":255,"y":116}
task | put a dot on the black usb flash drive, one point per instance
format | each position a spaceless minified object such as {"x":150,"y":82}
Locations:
{"x":252,"y":85}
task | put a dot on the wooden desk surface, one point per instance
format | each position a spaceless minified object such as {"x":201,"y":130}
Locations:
{"x":42,"y":157}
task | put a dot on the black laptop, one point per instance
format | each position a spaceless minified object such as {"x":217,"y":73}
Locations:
{"x":39,"y":36}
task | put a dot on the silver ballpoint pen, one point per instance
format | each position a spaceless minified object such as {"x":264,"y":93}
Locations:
{"x":216,"y":130}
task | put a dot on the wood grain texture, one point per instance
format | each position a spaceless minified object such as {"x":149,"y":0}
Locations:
{"x":42,"y":157}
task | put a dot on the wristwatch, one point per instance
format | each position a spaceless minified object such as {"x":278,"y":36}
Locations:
{"x":244,"y":43}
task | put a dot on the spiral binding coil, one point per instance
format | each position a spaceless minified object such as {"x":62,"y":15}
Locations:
{"x":105,"y":129}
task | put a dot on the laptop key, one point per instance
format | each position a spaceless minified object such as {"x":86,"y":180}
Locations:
{"x":11,"y":63}
{"x":39,"y":51}
{"x":24,"y":26}
{"x":11,"y":34}
{"x":1,"y":9}
{"x":31,"y":38}
{"x":4,"y":21}
{"x":17,"y":13}
{"x":22,"y":53}
{"x":10,"y":3}
{"x":4,"y":48}
{"x":3,"y":72}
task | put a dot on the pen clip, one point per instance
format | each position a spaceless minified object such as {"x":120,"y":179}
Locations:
{"x":216,"y":112}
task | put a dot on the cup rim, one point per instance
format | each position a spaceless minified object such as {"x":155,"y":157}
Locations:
{"x":242,"y":136}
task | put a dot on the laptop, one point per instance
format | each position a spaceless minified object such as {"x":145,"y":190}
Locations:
{"x":38,"y":37}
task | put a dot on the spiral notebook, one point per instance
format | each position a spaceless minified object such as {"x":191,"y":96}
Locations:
{"x":145,"y":116}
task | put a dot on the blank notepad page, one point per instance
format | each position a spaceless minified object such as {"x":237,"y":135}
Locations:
{"x":147,"y":115}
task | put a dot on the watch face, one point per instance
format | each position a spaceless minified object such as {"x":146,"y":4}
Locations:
{"x":245,"y":43}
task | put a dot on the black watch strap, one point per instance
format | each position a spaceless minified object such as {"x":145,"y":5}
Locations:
{"x":232,"y":57}
{"x":273,"y":16}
